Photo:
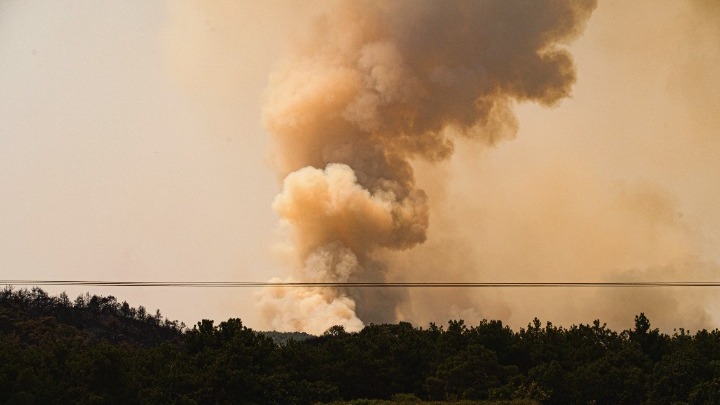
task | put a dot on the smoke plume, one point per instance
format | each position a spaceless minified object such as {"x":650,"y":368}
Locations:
{"x":375,"y":86}
{"x":619,"y":184}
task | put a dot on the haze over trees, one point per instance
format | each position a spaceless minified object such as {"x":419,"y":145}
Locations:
{"x":98,"y":350}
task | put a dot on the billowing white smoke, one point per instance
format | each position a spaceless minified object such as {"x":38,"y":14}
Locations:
{"x":375,"y":85}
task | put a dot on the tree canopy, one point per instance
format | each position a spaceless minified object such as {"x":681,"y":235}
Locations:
{"x":97,"y":350}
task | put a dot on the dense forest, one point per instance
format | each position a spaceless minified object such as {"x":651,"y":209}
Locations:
{"x":97,"y":350}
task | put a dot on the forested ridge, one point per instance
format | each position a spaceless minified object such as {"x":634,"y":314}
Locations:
{"x":95,"y":349}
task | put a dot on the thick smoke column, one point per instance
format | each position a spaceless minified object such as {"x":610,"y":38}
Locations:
{"x":376,"y":85}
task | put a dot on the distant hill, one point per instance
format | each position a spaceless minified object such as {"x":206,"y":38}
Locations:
{"x":282,"y":338}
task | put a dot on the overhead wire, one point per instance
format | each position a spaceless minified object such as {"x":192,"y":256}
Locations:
{"x":260,"y":284}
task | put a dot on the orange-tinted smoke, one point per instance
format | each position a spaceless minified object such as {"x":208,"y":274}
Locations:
{"x":377,"y":84}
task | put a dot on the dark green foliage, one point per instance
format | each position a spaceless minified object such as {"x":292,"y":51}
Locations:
{"x":96,"y":350}
{"x":412,"y":400}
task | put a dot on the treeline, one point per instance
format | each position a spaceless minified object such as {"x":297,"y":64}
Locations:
{"x":95,"y":350}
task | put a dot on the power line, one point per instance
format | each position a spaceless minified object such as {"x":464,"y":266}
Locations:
{"x":250,"y":284}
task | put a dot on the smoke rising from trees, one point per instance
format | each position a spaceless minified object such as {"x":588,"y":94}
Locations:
{"x":374,"y":86}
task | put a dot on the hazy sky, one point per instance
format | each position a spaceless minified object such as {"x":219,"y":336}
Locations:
{"x":132,"y":148}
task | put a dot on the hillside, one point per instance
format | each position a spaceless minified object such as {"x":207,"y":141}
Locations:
{"x":96,"y":350}
{"x":31,"y":314}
